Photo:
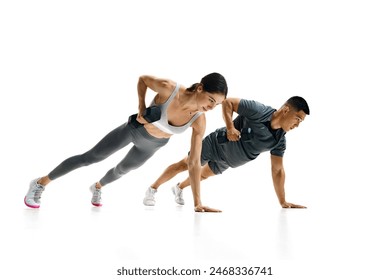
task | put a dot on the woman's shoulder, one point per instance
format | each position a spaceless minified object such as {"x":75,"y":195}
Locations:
{"x":200,"y":120}
{"x":167,"y":88}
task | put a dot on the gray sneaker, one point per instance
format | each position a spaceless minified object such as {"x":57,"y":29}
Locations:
{"x":96,"y":196}
{"x":149,"y":199}
{"x":178,"y":192}
{"x":33,"y":196}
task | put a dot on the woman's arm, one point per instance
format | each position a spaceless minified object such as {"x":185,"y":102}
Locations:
{"x":194,"y":166}
{"x":163,"y":88}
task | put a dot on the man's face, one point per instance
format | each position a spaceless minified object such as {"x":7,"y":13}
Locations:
{"x":292,"y":119}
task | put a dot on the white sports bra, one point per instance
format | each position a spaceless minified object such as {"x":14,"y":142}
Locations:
{"x":163,"y":123}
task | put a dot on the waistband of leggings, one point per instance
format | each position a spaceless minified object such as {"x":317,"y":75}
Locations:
{"x":146,"y":135}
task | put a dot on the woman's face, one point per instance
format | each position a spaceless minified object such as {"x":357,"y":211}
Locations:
{"x":207,"y":101}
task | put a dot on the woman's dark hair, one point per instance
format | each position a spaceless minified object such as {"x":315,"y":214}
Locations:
{"x":298,"y":103}
{"x":213,"y":83}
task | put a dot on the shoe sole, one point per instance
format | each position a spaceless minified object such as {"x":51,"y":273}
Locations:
{"x":147,"y":203}
{"x":97,"y":205}
{"x":29,"y":205}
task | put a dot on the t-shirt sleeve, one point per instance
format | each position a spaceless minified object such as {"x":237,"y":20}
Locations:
{"x":251,"y":109}
{"x":280,"y":148}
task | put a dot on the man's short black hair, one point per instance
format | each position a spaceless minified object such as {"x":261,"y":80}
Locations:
{"x":299,"y":103}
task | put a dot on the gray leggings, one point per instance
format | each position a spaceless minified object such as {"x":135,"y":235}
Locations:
{"x":144,"y":147}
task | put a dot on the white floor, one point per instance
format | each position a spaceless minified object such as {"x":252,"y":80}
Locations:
{"x":67,"y":237}
{"x":68,"y":75}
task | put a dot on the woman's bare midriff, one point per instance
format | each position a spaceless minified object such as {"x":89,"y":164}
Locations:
{"x":156,"y":132}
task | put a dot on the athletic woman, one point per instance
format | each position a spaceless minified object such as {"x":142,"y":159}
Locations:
{"x":180,"y":107}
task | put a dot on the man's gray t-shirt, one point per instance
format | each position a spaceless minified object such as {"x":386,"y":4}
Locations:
{"x":257,"y":116}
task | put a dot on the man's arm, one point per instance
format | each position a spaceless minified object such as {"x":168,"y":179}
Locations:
{"x":278,"y":178}
{"x":230,"y":105}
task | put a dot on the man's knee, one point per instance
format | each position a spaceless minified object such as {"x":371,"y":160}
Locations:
{"x":206,"y":172}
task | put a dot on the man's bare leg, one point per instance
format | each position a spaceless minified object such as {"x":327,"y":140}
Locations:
{"x":206,"y":172}
{"x":170,"y":172}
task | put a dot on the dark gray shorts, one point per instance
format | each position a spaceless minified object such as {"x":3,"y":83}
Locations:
{"x":210,"y":155}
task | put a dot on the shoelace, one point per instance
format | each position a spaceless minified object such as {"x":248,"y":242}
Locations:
{"x":179,"y":192}
{"x":38,"y":191}
{"x":97,"y":194}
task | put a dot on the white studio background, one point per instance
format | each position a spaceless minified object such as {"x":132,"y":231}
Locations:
{"x":68,"y":75}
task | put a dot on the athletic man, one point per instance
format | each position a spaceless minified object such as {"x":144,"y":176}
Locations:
{"x":263,"y":129}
